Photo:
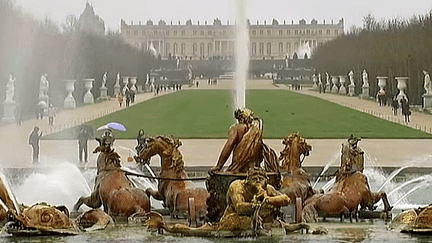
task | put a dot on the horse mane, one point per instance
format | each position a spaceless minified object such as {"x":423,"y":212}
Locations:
{"x":177,"y":162}
{"x":286,"y":164}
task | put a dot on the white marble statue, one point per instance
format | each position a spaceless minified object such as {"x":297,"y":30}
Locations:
{"x":104,"y":79}
{"x":351,"y":77}
{"x":10,"y":88}
{"x":427,"y":83}
{"x":365,"y":79}
{"x":319,"y":78}
{"x":327,"y":78}
{"x":44,"y":86}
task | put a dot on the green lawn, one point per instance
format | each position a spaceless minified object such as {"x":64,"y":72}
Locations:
{"x":209,"y":113}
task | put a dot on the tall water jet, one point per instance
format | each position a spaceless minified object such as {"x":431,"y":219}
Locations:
{"x":242,"y":53}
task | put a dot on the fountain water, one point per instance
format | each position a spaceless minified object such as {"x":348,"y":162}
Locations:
{"x":242,"y":54}
{"x":335,"y":158}
{"x":394,"y":173}
{"x":61,"y":185}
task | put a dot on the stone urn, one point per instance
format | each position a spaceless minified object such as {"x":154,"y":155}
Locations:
{"x":125,"y":83}
{"x":402,"y":85}
{"x":335,"y":88}
{"x":315,"y":82}
{"x":117,"y":85}
{"x":88,"y":96}
{"x":133,"y":81}
{"x":69,"y":102}
{"x":342,"y":89}
{"x":382,"y":82}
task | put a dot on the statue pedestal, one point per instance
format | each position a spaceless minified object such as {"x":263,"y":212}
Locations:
{"x":351,"y":90}
{"x":365,"y":92}
{"x":335,"y":89}
{"x":103,"y":93}
{"x":8,"y":111}
{"x":140,"y":89}
{"x":427,"y":102}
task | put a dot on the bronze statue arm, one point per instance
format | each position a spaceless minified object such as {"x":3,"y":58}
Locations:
{"x":227,"y":149}
{"x":275,"y":198}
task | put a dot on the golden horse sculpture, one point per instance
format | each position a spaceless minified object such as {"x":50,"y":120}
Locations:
{"x":295,"y":180}
{"x":173,"y":191}
{"x":119,"y":197}
{"x":350,"y":190}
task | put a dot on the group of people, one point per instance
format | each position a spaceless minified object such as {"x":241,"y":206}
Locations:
{"x":404,"y":105}
{"x":84,"y":133}
{"x":128,"y":97}
{"x":51,"y":112}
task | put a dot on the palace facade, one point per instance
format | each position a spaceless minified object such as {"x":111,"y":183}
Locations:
{"x":216,"y":41}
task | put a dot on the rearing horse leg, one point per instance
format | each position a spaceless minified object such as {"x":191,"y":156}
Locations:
{"x":92,"y":201}
{"x":382,"y":195}
{"x":156,"y":194}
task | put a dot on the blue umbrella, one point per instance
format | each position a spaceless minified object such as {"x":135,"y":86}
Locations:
{"x":113,"y":126}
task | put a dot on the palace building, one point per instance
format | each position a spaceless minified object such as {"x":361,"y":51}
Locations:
{"x":203,"y":41}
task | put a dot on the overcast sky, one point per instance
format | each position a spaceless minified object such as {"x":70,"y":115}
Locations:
{"x":112,"y":11}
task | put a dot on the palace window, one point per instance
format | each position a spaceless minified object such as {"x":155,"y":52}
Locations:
{"x":167,"y":48}
{"x":288,"y":48}
{"x":319,"y":32}
{"x":209,"y":49}
{"x":194,"y":49}
{"x":280,"y":32}
{"x":254,"y":49}
{"x":167,"y":32}
{"x":183,"y":49}
{"x":268,"y":49}
{"x":308,"y":32}
{"x":175,"y":49}
{"x":328,"y":32}
{"x":261,"y":49}
{"x":268,"y":32}
{"x":194,"y":32}
{"x":296,"y":32}
{"x":183,"y":32}
{"x":253,"y":32}
{"x":336,"y":32}
{"x":280,"y":48}
{"x":261,"y":32}
{"x":202,"y":32}
{"x":288,"y":32}
{"x":209,"y":32}
{"x":155,"y":32}
{"x":202,"y":49}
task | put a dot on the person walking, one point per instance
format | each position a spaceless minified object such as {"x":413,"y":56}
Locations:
{"x":34,"y":142}
{"x":85,"y":132}
{"x":141,"y":141}
{"x":394,"y":105}
{"x":405,"y":109}
{"x":120,"y":98}
{"x":52,"y":112}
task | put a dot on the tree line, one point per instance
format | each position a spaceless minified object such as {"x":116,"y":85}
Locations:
{"x":30,"y":48}
{"x":394,"y":48}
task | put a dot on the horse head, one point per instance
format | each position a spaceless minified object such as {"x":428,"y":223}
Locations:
{"x":295,"y":146}
{"x":152,"y":147}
